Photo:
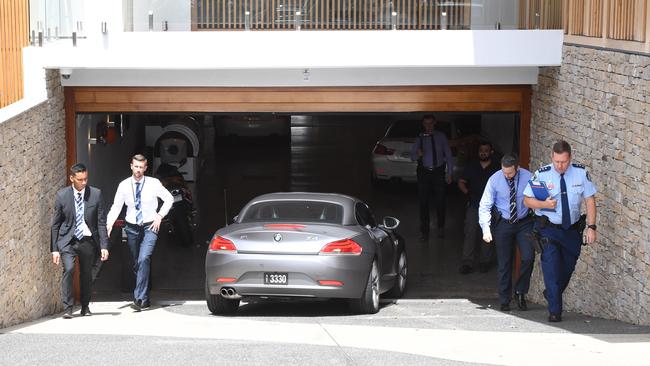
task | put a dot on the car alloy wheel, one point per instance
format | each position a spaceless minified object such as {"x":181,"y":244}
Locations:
{"x":368,"y":303}
{"x":374,"y":276}
{"x":402,"y":272}
{"x":399,"y":286}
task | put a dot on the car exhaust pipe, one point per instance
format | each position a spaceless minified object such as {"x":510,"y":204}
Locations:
{"x":229,"y":293}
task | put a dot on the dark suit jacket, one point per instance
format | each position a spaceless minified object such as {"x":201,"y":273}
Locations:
{"x":63,"y":223}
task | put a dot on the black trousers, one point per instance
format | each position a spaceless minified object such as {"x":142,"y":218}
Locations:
{"x":84,"y":249}
{"x":431,"y":183}
{"x":506,"y":236}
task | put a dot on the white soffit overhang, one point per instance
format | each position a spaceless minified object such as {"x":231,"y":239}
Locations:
{"x":307,"y":58}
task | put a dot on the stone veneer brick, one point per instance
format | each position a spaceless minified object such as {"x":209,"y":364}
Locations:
{"x":32,"y":169}
{"x":599,"y":101}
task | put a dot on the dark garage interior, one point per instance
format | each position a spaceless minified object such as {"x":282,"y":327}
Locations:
{"x":228,"y":159}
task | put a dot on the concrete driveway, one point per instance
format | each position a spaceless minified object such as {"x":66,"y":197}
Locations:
{"x":406,"y":332}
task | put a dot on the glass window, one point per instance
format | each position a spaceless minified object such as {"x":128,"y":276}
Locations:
{"x":295,"y":211}
{"x":405,"y":129}
{"x":363,"y":215}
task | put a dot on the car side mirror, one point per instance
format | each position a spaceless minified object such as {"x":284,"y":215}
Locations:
{"x":391,"y":223}
{"x":234,"y":219}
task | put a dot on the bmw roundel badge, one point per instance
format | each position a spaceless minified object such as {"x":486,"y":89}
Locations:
{"x":277,"y":237}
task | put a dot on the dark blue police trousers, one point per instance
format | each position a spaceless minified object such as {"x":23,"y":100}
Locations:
{"x":505,"y":236}
{"x":558,"y":262}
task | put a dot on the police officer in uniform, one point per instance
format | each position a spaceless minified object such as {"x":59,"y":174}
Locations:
{"x":504,"y":190}
{"x":558,"y":221}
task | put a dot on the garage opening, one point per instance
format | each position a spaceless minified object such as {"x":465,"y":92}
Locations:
{"x":226,"y":159}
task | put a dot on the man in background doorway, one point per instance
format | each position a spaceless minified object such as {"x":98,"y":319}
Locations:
{"x":431,"y":151}
{"x":472,"y":183}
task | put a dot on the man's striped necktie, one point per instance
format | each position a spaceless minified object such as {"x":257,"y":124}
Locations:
{"x":138,"y":203}
{"x":513,"y":201}
{"x":79,"y":217}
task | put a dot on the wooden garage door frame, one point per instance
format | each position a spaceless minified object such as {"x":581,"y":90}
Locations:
{"x":483,"y":98}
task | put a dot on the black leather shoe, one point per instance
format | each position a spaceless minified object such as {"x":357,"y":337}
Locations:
{"x":555,"y":318}
{"x":521,"y":302}
{"x":145,"y":304}
{"x":67,"y":314}
{"x":483,"y":267}
{"x":465,"y":269}
{"x":136,"y":305}
{"x":85,"y":311}
{"x":505,"y":307}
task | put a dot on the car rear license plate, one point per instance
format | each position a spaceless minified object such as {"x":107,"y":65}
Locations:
{"x":275,"y":278}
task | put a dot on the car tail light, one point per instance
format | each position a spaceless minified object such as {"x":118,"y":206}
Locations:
{"x":219,"y":244}
{"x":345,"y":246}
{"x":383,"y":150}
{"x":330,"y":283}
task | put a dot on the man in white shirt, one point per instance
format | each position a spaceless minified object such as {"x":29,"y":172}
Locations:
{"x":140,"y":195}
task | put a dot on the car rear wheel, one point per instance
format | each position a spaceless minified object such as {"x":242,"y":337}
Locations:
{"x":400,"y":281}
{"x":217,"y":304}
{"x":368,"y":303}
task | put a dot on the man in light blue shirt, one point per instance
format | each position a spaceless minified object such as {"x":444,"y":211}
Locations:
{"x":435,"y":165}
{"x":557,"y":221}
{"x":505,"y":192}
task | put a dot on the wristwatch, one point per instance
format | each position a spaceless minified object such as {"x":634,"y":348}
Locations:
{"x":592,"y":227}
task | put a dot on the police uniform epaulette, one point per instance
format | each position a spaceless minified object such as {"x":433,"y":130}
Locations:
{"x":544,"y":169}
{"x":577,"y":165}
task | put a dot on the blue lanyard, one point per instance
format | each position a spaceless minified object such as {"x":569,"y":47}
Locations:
{"x":132,"y":183}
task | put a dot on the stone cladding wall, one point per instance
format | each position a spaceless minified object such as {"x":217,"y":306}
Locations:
{"x":599,"y":101}
{"x":32,"y":169}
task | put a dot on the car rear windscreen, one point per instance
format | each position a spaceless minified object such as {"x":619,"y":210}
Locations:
{"x":401,"y":129}
{"x":295,"y":211}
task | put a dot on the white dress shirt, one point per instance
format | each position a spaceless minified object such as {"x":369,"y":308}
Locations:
{"x":151,"y":190}
{"x":84,"y":227}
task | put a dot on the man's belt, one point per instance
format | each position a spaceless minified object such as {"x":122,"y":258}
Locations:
{"x":539,"y":241}
{"x":430,"y":169}
{"x":82,"y":239}
{"x":545,"y":222}
{"x":523,"y":219}
{"x":136,"y":226}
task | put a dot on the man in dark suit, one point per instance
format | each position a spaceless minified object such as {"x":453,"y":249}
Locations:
{"x":78,"y":230}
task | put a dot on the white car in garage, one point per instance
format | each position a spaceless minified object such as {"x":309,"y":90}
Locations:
{"x":391,"y":156}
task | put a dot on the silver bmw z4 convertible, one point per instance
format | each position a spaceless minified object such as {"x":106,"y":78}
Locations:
{"x":305,"y":245}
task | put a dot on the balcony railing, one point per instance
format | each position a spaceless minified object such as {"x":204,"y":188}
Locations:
{"x":331,"y":14}
{"x":56,"y":19}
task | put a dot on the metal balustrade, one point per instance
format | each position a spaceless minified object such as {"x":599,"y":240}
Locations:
{"x":330,"y":14}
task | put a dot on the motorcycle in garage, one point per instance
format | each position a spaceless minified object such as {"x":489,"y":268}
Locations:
{"x":179,"y":222}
